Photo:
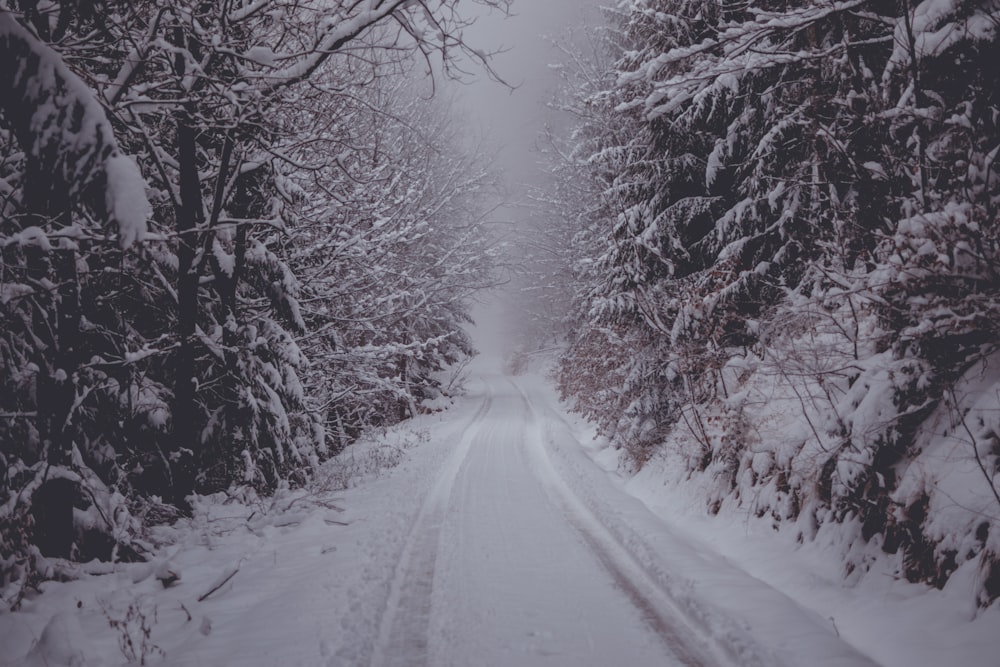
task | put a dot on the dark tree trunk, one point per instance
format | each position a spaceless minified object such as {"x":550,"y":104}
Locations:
{"x":52,"y":511}
{"x":189,"y":219}
{"x":56,"y":316}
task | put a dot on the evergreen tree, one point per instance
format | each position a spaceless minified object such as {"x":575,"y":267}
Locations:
{"x":799,"y":199}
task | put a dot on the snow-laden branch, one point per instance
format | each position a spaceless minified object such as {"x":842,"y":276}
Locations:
{"x":337,"y":33}
{"x":64,"y":132}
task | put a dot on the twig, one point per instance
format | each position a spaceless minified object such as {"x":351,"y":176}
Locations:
{"x":975,"y":448}
{"x":222,"y":582}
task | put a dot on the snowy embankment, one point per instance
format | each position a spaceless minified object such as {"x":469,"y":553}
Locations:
{"x":772,"y":588}
{"x":497,"y":532}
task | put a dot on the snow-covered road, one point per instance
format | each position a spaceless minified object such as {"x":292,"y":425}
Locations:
{"x":504,"y":567}
{"x":525,"y":552}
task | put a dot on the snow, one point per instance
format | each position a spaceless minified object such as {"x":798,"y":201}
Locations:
{"x":894,"y":622}
{"x":715,"y":161}
{"x":63,"y":642}
{"x":262,"y":55}
{"x":126,"y":198}
{"x":938,"y":25}
{"x":496,"y":532}
{"x":31,"y":236}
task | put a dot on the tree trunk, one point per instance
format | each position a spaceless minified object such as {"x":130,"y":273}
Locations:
{"x":190,"y":220}
{"x":190,"y":217}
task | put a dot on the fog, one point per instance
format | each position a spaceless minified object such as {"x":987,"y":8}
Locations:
{"x":513,"y":117}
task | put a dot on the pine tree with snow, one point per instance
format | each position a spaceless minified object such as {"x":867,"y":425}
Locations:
{"x":799,"y":199}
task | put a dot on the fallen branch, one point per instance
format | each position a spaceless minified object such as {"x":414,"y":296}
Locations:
{"x":220,"y":582}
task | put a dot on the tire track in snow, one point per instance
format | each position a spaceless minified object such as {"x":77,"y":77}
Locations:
{"x":515,"y":583}
{"x":641,"y":589}
{"x":403,"y":637}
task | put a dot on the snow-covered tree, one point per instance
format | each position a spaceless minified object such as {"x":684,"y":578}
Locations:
{"x":801,"y":199}
{"x":393,"y":241}
{"x":67,"y":191}
{"x":176,"y":364}
{"x":209,"y":105}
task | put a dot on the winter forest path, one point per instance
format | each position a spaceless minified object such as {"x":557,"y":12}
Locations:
{"x":526,"y":552}
{"x":505,"y":567}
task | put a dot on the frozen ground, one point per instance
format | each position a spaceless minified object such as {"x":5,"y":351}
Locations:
{"x":495,"y":533}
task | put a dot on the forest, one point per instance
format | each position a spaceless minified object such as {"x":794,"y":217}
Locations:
{"x":237,"y":235}
{"x":234,"y":236}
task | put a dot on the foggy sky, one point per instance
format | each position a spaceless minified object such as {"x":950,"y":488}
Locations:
{"x":512,"y":120}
